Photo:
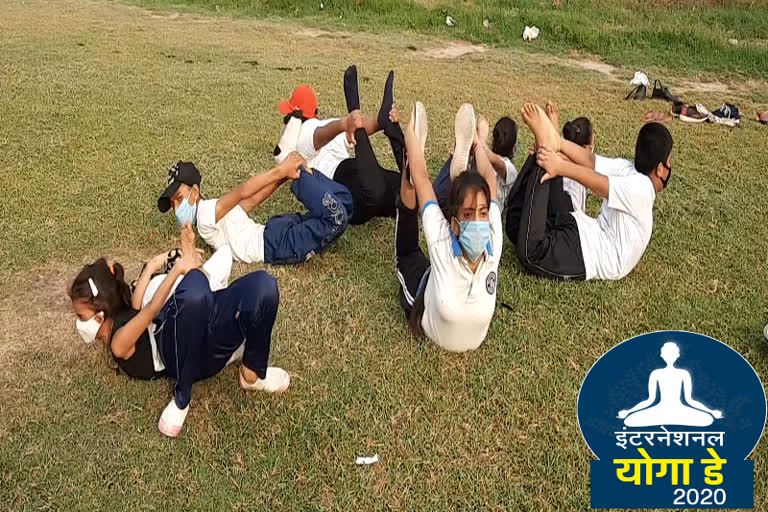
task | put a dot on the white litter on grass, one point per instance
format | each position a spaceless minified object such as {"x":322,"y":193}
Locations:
{"x":640,"y":78}
{"x":486,"y":23}
{"x":734,"y":42}
{"x":450,"y":21}
{"x":530,"y":33}
{"x":367,"y":461}
{"x":322,"y":6}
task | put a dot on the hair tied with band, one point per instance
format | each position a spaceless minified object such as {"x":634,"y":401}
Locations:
{"x":94,"y":290}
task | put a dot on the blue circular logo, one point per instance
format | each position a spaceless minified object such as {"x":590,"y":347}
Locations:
{"x":661,"y":412}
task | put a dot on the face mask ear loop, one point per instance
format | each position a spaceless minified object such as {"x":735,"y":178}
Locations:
{"x":94,"y":290}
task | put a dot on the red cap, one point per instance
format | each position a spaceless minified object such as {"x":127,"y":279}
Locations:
{"x":304,"y":99}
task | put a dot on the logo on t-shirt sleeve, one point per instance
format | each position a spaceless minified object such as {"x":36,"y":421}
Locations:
{"x":490,"y":283}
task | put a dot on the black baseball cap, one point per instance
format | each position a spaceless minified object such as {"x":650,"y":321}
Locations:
{"x":180,"y":172}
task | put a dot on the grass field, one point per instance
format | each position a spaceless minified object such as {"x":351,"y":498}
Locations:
{"x":685,"y":35}
{"x":99,"y":98}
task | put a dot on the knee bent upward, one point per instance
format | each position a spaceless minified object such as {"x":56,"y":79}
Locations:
{"x":265,"y":286}
{"x":195,"y":289}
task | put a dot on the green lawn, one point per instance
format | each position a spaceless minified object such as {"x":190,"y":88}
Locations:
{"x":684,"y":35}
{"x":99,"y":98}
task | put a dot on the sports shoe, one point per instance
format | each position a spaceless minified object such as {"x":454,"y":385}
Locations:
{"x":465,"y":133}
{"x":728,"y":115}
{"x":172,"y":419}
{"x":277,"y":381}
{"x":692,"y":115}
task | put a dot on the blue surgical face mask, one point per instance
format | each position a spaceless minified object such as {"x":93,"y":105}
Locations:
{"x":186,"y":213}
{"x":474,"y":237}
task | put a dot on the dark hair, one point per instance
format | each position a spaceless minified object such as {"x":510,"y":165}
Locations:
{"x":578,"y":131}
{"x":504,"y":137}
{"x":114,"y":293}
{"x":654,"y":145}
{"x":464,"y":182}
{"x":414,"y":318}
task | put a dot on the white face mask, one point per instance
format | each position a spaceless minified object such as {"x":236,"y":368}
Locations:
{"x":89,"y":328}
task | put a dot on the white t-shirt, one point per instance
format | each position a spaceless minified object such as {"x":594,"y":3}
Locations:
{"x":578,"y":193}
{"x":236,"y":229}
{"x":503,"y":186}
{"x":458,"y":304}
{"x":614,"y":242}
{"x":328,"y":158}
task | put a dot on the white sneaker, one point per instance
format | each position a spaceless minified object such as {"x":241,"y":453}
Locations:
{"x":465,"y":134}
{"x":277,"y":381}
{"x":172,"y":419}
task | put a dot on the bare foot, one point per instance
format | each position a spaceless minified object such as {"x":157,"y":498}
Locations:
{"x":553,"y":113}
{"x":542,"y":128}
{"x":394,"y":114}
{"x":483,"y":129}
{"x":290,"y":167}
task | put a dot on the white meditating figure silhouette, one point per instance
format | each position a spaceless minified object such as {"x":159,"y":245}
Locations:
{"x":670,"y":410}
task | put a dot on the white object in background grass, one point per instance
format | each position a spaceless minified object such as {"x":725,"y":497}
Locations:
{"x":530,"y":33}
{"x":640,"y":78}
{"x":450,"y":21}
{"x":486,"y":23}
{"x":367,"y":461}
{"x":734,"y":42}
{"x":322,"y":6}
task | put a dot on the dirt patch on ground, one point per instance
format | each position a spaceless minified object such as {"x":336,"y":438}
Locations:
{"x":702,"y":87}
{"x":36,"y":314}
{"x":454,"y":50}
{"x":167,"y":16}
{"x":315,"y":33}
{"x":600,"y":67}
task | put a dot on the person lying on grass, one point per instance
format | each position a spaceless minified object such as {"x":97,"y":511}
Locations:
{"x":502,"y":152}
{"x":285,"y":239}
{"x":554,"y":241}
{"x":451,"y":295}
{"x":324,"y":144}
{"x":189,"y":338}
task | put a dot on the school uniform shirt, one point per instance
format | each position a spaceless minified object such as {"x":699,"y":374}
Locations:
{"x":613,"y":243}
{"x":578,"y":193}
{"x":328,"y":158}
{"x":459,"y":304}
{"x":236,"y":229}
{"x":504,"y":185}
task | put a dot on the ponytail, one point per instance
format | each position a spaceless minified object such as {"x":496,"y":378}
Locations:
{"x":103,"y":286}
